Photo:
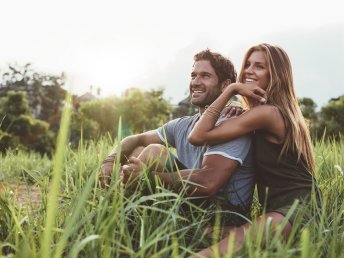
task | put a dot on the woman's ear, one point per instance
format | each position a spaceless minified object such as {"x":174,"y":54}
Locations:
{"x":225,"y":84}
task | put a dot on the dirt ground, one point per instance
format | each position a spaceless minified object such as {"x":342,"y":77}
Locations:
{"x":21,"y":193}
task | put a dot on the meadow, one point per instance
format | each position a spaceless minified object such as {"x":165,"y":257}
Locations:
{"x":75,"y":217}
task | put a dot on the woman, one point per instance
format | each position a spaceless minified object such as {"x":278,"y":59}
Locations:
{"x":283,"y":149}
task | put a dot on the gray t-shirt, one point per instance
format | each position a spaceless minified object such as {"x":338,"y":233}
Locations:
{"x":239,"y":189}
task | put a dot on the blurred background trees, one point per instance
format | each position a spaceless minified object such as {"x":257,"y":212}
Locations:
{"x":332,"y":118}
{"x":18,"y":129}
{"x":31,"y":104}
{"x":139,"y":110}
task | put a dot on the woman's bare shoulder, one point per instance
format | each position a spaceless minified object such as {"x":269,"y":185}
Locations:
{"x":273,"y":121}
{"x":268,"y":111}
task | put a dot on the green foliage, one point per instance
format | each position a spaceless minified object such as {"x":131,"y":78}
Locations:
{"x":44,"y":92}
{"x":5,"y":218}
{"x":103,"y":112}
{"x":91,"y":222}
{"x":19,"y":129}
{"x":140,"y":111}
{"x":308,"y":109}
{"x":81,"y":126}
{"x":52,"y":99}
{"x":332,"y":117}
{"x":7,"y":141}
{"x":14,"y":104}
{"x":158,"y":110}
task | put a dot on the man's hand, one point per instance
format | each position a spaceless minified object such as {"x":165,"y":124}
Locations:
{"x":106,"y":170}
{"x":132,"y":170}
{"x":234,"y":109}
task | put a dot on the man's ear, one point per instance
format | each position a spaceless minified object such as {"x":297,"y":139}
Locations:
{"x":224,"y":84}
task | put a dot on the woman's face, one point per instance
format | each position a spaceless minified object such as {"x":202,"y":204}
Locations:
{"x":256,"y":70}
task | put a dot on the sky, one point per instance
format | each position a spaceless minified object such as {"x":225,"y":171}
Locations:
{"x":148,"y":44}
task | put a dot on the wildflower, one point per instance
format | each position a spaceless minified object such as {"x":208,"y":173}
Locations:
{"x":339,"y":169}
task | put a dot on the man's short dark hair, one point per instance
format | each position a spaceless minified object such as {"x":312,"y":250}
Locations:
{"x":223,"y":67}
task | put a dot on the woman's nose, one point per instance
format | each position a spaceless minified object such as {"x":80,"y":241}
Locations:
{"x":249,"y":69}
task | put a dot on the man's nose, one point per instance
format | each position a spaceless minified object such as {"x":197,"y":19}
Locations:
{"x":196,"y":80}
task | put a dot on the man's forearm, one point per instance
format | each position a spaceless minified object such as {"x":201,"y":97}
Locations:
{"x":125,"y":148}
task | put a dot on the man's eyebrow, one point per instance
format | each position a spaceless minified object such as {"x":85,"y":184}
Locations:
{"x":201,"y":73}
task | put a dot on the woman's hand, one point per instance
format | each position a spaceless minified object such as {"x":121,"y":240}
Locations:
{"x":249,"y":90}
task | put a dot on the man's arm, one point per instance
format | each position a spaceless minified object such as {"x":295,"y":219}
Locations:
{"x":215,"y":172}
{"x":126,"y":148}
{"x":206,"y":181}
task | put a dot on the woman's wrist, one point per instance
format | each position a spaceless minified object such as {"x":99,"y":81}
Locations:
{"x":233,"y":89}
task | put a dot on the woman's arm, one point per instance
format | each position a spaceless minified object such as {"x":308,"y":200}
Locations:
{"x":256,"y":118}
{"x":205,"y":131}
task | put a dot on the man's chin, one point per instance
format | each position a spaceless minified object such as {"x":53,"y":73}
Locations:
{"x":199,"y":105}
{"x":196,"y":102}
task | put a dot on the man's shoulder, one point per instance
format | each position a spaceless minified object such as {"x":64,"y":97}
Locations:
{"x":242,"y":141}
{"x":184,"y":120}
{"x":189,"y":118}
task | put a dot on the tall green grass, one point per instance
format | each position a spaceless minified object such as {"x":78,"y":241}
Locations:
{"x":77,"y":218}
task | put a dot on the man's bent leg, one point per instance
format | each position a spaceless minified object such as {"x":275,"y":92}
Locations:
{"x":160,"y":159}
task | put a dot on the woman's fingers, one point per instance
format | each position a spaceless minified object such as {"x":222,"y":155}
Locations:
{"x":258,"y":94}
{"x":261,"y":92}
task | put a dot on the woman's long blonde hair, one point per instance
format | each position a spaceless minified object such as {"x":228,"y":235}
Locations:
{"x":281,"y":94}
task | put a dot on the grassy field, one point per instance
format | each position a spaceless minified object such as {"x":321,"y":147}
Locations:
{"x":71,"y":216}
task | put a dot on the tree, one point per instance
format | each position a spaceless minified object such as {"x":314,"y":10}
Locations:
{"x":139,"y":110}
{"x":332,"y":117}
{"x":158,"y":108}
{"x":44,"y":92}
{"x":102,"y":111}
{"x":13,"y":105}
{"x":82,"y":125}
{"x":308,"y":107}
{"x":144,"y":110}
{"x":19,"y":129}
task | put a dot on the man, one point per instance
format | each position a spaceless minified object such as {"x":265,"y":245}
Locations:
{"x":223,"y":169}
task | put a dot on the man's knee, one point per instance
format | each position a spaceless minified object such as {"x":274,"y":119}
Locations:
{"x":155,"y":150}
{"x":137,"y":151}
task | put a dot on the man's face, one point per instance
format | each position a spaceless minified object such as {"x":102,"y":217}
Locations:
{"x":204,"y":84}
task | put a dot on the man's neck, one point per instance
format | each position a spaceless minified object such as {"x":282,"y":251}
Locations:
{"x":202,"y":109}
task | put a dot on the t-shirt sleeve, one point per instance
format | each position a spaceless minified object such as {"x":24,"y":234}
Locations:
{"x":167,"y":132}
{"x":236,"y":149}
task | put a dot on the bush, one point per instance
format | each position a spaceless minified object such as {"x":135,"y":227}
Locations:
{"x":81,"y":125}
{"x":7,"y":141}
